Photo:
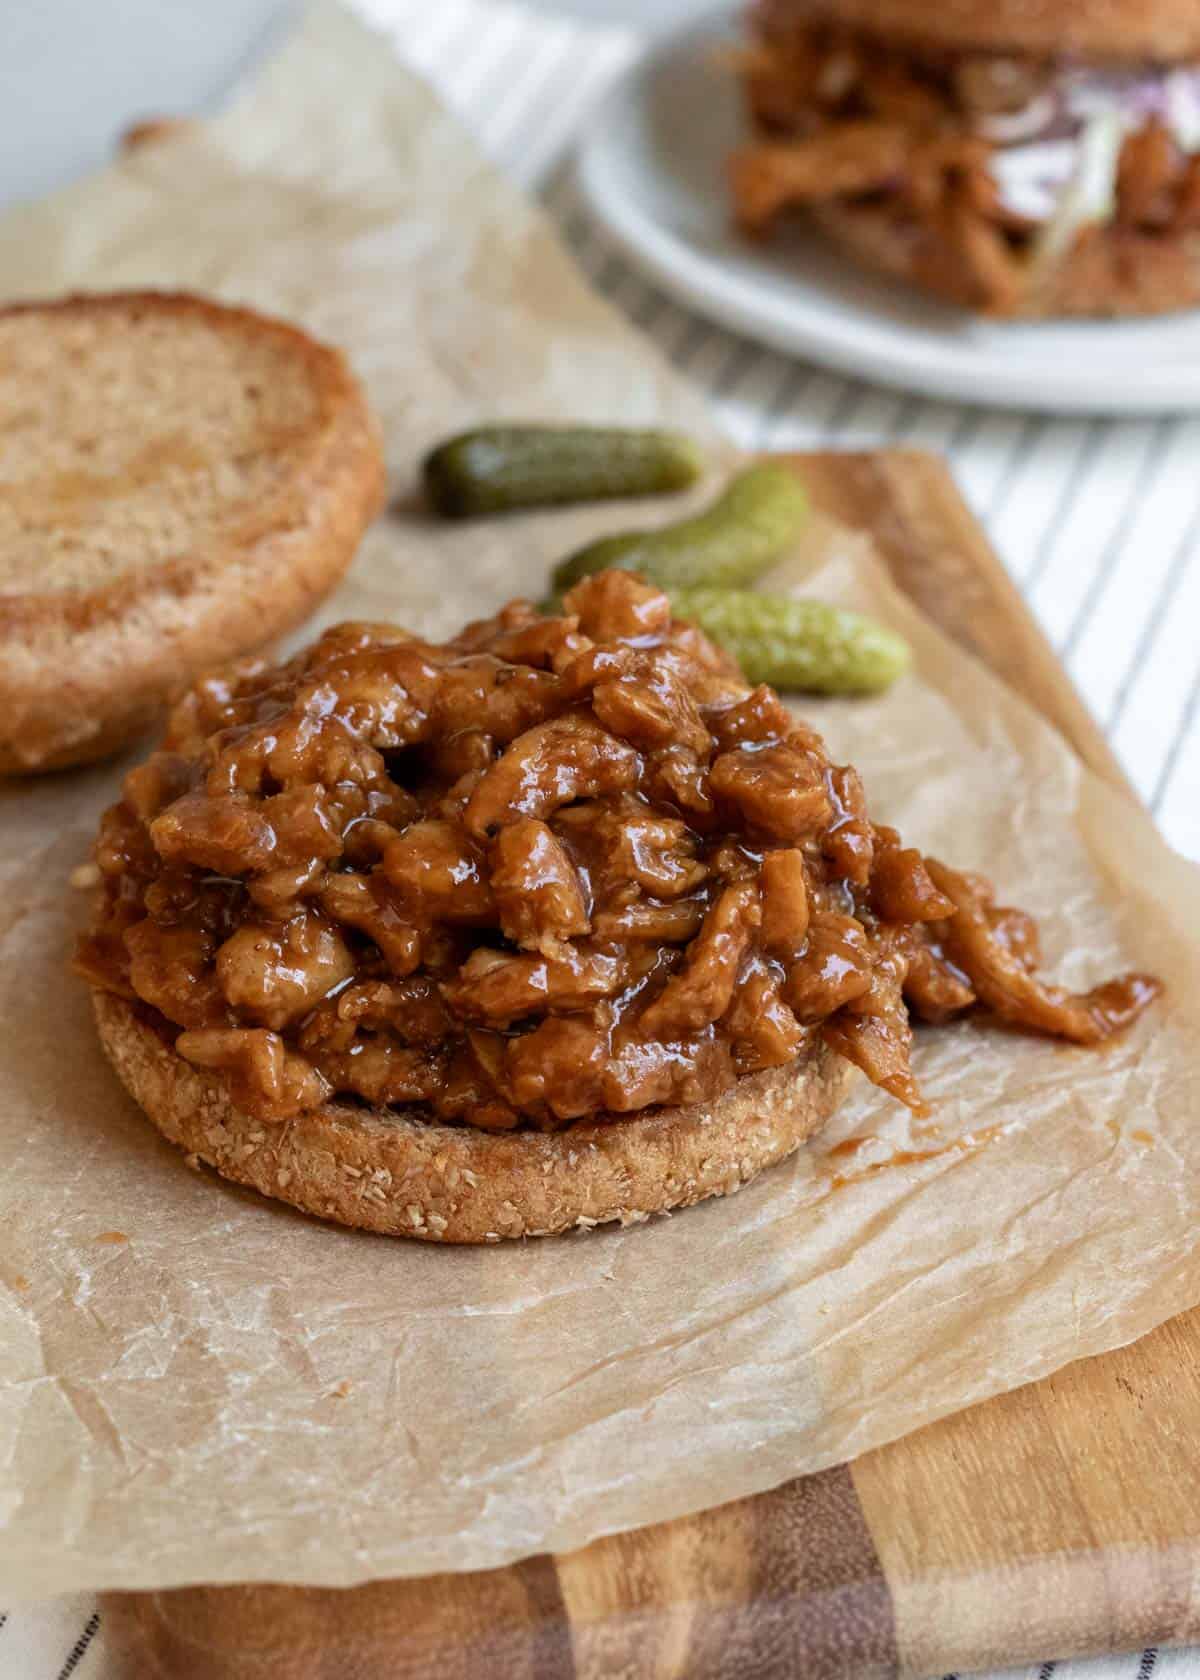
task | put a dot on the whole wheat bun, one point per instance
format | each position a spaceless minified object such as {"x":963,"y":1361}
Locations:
{"x":382,"y":1170}
{"x":1110,"y":271}
{"x":1164,"y":31}
{"x":180,"y":482}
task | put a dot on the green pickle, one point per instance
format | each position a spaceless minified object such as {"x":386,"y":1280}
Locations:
{"x":797,"y":644}
{"x":730,"y":544}
{"x":502,"y":469}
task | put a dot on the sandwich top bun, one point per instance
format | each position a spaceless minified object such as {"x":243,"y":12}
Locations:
{"x":179,"y":483}
{"x":1116,"y":30}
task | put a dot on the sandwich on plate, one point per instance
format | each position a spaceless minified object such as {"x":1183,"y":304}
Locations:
{"x":1021,"y":158}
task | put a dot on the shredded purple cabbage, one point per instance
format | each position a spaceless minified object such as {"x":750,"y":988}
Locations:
{"x":1038,"y":148}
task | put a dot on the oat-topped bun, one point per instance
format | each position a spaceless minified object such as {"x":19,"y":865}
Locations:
{"x":404,"y":1175}
{"x":1026,"y":158}
{"x":551,"y":924}
{"x":179,"y":483}
{"x":1161,"y":31}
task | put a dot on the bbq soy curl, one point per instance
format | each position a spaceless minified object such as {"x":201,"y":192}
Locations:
{"x":555,"y":867}
{"x":1003,"y":163}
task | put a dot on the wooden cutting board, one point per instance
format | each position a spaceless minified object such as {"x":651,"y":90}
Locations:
{"x":1059,"y":1520}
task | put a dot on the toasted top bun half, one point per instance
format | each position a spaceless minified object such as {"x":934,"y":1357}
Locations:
{"x":180,"y":482}
{"x":1120,"y":31}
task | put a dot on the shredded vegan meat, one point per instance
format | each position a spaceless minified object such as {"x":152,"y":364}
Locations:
{"x":967,"y":155}
{"x":554,"y":867}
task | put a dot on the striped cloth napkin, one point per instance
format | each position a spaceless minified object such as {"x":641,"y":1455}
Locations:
{"x":1099,"y":522}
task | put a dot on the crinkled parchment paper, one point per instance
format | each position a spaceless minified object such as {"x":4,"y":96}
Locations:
{"x":196,"y":1384}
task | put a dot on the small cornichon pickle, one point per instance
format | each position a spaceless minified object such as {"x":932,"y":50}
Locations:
{"x":730,"y":544}
{"x":501,"y":469}
{"x":798,"y":644}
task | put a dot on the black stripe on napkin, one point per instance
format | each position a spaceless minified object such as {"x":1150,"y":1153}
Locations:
{"x":75,"y":1656}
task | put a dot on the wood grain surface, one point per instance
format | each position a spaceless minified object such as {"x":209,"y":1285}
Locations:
{"x":1059,"y":1520}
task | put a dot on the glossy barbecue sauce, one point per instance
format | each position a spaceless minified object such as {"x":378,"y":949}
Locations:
{"x":552,"y":868}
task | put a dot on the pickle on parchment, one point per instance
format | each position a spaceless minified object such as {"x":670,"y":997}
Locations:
{"x":733,"y":542}
{"x":502,"y":469}
{"x":796,"y":644}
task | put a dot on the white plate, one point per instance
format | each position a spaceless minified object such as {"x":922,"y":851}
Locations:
{"x":652,"y":171}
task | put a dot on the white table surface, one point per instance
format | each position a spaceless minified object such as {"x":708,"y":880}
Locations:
{"x":1098,"y":521}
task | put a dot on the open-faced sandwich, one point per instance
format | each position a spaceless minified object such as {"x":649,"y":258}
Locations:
{"x":554,"y":923}
{"x":1020,"y":157}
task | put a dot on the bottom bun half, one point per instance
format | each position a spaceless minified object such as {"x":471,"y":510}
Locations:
{"x":402,"y":1175}
{"x":1110,"y":272}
